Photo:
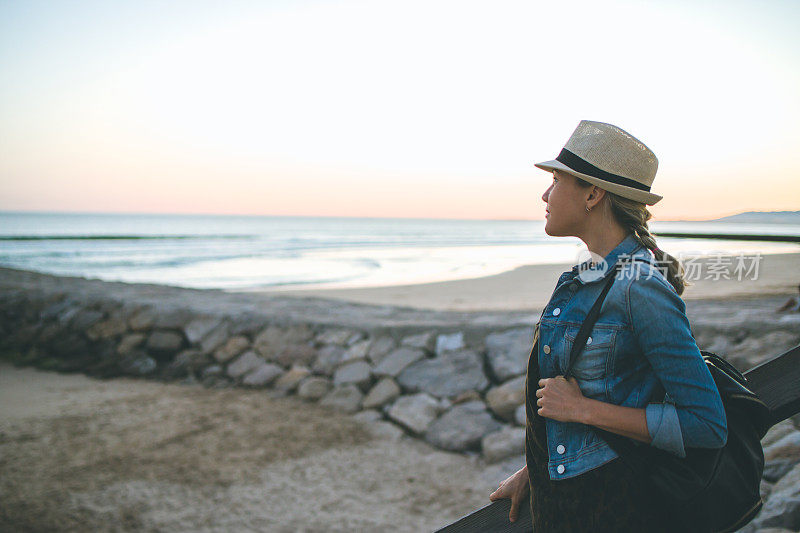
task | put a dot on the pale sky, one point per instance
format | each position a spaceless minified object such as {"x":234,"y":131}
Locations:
{"x":398,"y":109}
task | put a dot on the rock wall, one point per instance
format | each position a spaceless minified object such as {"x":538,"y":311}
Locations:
{"x":453,"y":379}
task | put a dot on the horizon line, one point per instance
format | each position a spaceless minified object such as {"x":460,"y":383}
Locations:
{"x":262,"y":215}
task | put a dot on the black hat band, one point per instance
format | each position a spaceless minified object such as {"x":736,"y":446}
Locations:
{"x":578,"y":164}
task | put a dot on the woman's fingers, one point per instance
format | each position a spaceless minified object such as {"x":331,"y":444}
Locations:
{"x":512,"y":514}
{"x":514,"y":488}
{"x":500,"y":493}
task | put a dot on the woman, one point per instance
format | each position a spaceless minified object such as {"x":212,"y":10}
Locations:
{"x":640,"y":349}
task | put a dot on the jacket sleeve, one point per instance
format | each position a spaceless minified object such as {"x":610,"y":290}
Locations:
{"x":693,"y":414}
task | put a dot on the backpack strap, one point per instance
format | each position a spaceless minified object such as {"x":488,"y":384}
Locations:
{"x":588,"y":323}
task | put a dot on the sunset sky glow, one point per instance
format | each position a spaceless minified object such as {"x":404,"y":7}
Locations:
{"x":434,"y":109}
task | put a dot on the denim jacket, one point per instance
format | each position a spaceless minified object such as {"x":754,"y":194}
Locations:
{"x":640,"y":353}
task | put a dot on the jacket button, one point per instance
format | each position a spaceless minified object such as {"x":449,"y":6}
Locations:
{"x":546,"y":348}
{"x":589,"y":340}
{"x":556,"y":311}
{"x":561,"y":449}
{"x":560,"y":469}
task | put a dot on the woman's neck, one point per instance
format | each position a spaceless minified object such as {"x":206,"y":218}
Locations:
{"x":602,"y":240}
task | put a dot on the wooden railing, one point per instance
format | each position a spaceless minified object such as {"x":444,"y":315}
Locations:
{"x":776,"y":381}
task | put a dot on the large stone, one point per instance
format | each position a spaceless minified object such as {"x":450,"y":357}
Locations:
{"x":232,"y":347}
{"x":187,"y":362}
{"x":719,"y":344}
{"x":67,"y":315}
{"x":355,"y":337}
{"x":142,"y":319}
{"x":263,"y":375}
{"x":467,"y":396}
{"x":314,"y":388}
{"x":291,"y":379}
{"x":380,"y":348}
{"x":765,"y":488}
{"x":246,"y":363}
{"x":508,"y":352}
{"x":781,"y":455}
{"x":271,"y":342}
{"x":129,"y":342}
{"x":777,"y":432}
{"x":199,"y":327}
{"x":499,"y":445}
{"x":49,"y":332}
{"x":385,"y":391}
{"x":787,"y":446}
{"x":415,"y":412}
{"x":775,"y":469}
{"x":385,"y":430}
{"x":212,"y":371}
{"x":214,"y":338}
{"x":423,"y":341}
{"x":521,"y":415}
{"x":398,"y":360}
{"x":336,"y":336}
{"x":357,"y":351}
{"x":783,"y":506}
{"x":445,"y":376}
{"x":57,"y":309}
{"x":86,"y":318}
{"x":296,"y":354}
{"x":358,"y":373}
{"x":346,"y":399}
{"x":368,"y":415}
{"x":462,"y":427}
{"x":137,"y":364}
{"x":504,"y":399}
{"x":248,"y":324}
{"x":328,"y":358}
{"x":449,"y":342}
{"x":108,"y":328}
{"x":175,"y":318}
{"x":162,"y":342}
{"x":753,"y":349}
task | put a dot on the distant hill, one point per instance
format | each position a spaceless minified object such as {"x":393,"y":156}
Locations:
{"x":762,"y":217}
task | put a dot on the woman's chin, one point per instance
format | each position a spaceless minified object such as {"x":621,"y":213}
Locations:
{"x":552,"y":231}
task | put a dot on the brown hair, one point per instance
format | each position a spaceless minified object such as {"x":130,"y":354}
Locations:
{"x":633,"y":216}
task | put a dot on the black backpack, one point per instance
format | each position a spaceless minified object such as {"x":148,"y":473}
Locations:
{"x":711,"y":489}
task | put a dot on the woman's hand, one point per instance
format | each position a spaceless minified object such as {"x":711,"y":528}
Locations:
{"x":560,"y":399}
{"x":515,"y":487}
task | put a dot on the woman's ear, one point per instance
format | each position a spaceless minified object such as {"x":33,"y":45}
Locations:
{"x":596,"y":193}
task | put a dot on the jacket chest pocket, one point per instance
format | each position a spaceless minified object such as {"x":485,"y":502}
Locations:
{"x":594,"y":361}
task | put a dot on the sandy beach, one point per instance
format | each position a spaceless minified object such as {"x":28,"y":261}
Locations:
{"x":78,"y":453}
{"x":530,"y":287}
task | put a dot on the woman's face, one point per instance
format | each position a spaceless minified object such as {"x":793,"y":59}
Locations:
{"x":566,"y":205}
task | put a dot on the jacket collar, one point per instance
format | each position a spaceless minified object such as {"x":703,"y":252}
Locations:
{"x":590,"y":274}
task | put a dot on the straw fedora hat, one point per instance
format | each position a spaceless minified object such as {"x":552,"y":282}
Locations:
{"x":610,"y":158}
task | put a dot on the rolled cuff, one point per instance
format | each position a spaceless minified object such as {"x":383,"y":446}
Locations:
{"x":664,"y":428}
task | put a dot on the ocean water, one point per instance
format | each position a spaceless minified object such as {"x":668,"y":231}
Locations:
{"x":263,"y":252}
